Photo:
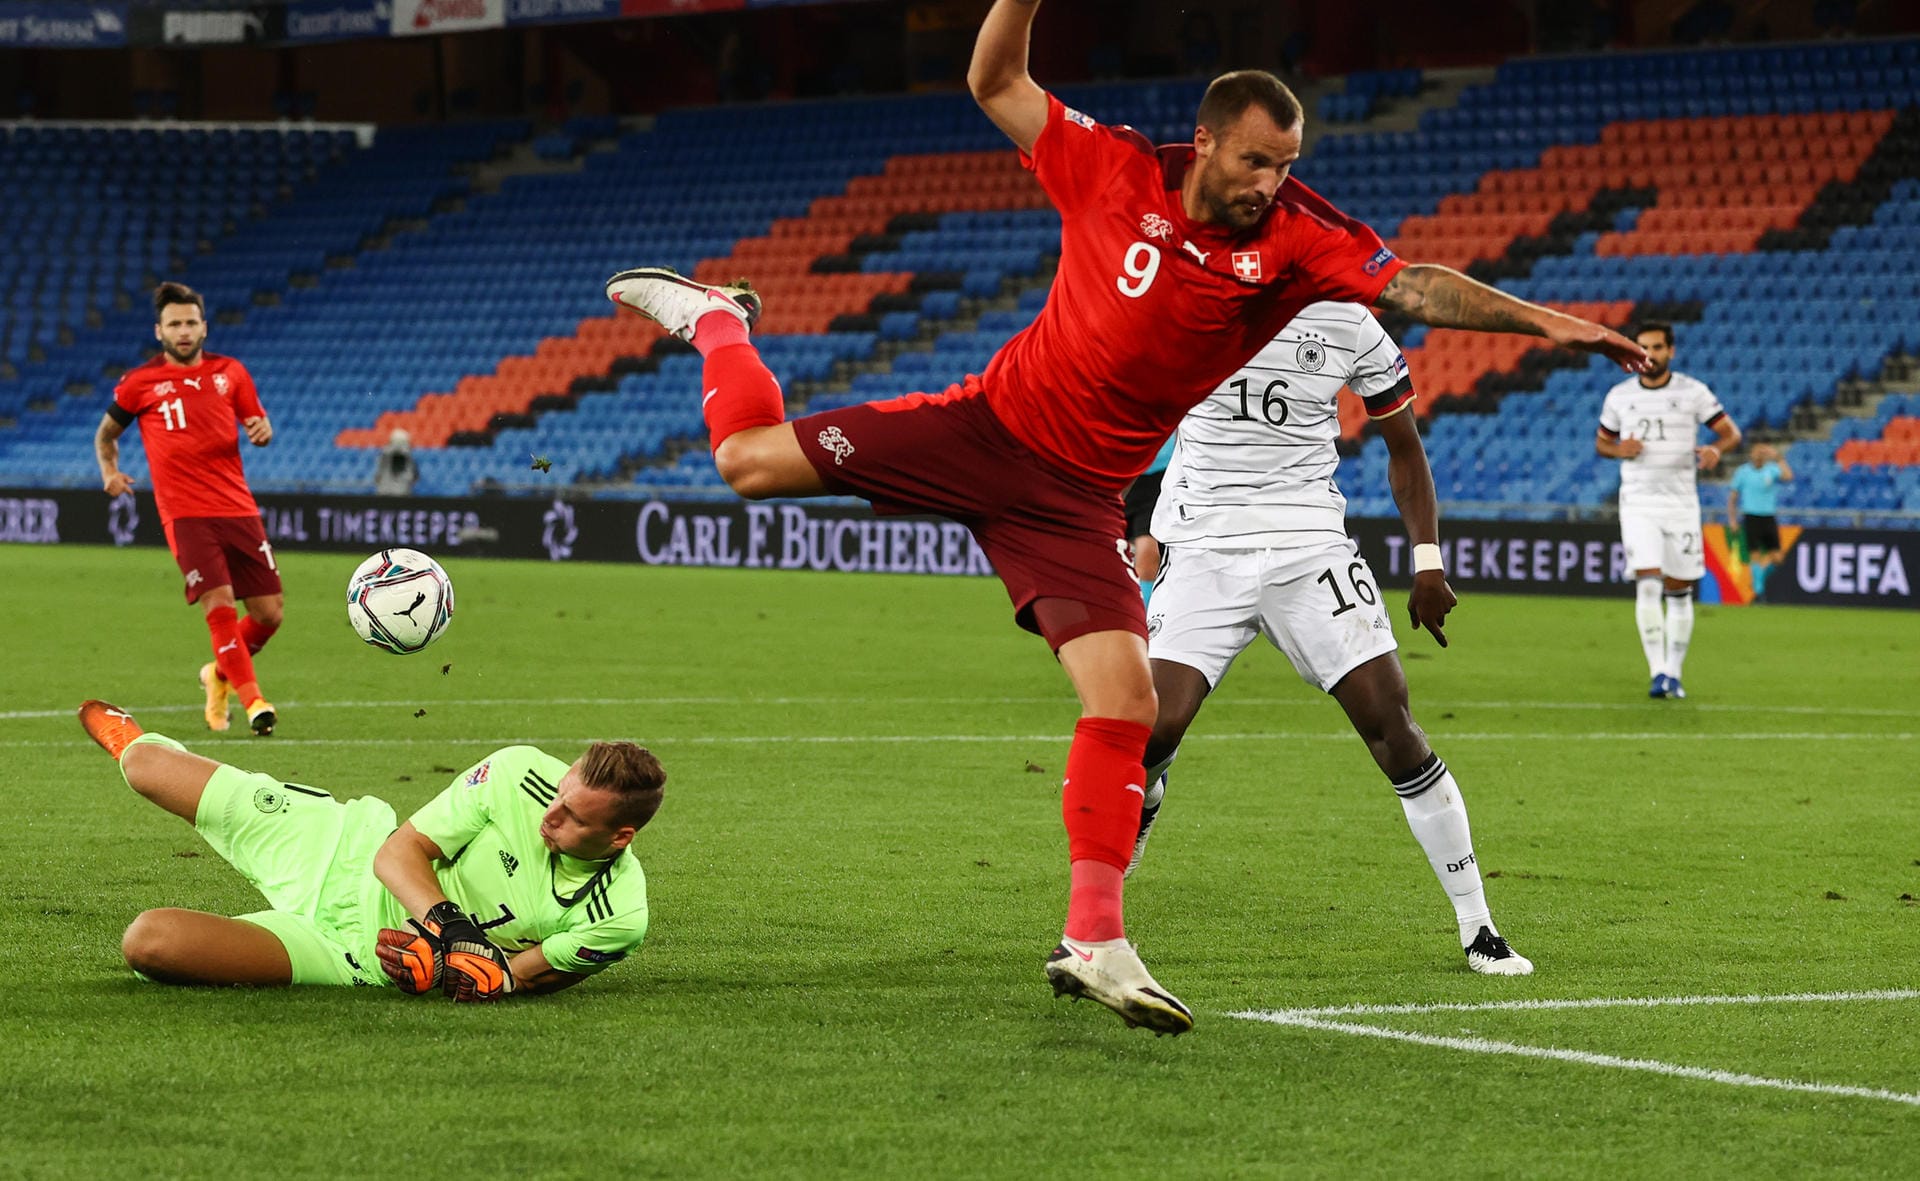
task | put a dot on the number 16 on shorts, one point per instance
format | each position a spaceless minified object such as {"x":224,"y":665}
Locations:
{"x":1319,"y":605}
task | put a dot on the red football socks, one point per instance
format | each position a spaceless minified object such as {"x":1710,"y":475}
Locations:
{"x":1094,"y":911}
{"x":738,"y":389}
{"x":255,"y":634}
{"x":1100,"y":802}
{"x":230,"y":654}
{"x":718,"y":330}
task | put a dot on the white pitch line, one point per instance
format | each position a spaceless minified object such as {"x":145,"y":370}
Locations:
{"x":1478,"y":1045}
{"x":1600,"y":1002}
{"x":1062,"y":700}
{"x":1317,"y":1019}
{"x":1632,"y":736}
{"x":494,"y":740}
{"x":1690,"y":707}
{"x":882,"y":739}
{"x":414,"y":703}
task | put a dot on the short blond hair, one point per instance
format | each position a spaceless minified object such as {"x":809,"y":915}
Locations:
{"x":629,"y":771}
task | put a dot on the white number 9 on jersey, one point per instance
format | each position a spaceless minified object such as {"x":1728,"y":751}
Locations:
{"x":1141,"y":265}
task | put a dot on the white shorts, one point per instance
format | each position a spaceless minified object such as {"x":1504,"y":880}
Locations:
{"x":1664,"y":539}
{"x":1319,"y":606}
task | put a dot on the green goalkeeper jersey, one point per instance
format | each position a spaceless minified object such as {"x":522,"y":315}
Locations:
{"x":584,"y":915}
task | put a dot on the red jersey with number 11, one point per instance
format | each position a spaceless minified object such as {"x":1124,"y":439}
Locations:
{"x":1150,"y":311}
{"x":190,"y":425}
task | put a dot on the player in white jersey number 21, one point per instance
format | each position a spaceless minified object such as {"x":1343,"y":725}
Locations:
{"x":1651,"y":423}
{"x":1254,"y":542}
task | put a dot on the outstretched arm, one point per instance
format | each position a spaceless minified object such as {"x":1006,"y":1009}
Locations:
{"x":1412,"y":480}
{"x":998,"y":74}
{"x":1445,"y":298}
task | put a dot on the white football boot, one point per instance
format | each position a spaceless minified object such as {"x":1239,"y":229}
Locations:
{"x":676,"y":302}
{"x":1110,"y":972}
{"x":1490,"y":955}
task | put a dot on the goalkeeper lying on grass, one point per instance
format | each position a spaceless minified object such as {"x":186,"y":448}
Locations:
{"x":516,"y":878}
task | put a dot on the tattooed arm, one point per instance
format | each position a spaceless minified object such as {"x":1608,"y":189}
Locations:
{"x":1445,"y":298}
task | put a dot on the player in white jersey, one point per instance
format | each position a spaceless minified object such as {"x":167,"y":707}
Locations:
{"x":1651,"y":423}
{"x":1254,"y":542}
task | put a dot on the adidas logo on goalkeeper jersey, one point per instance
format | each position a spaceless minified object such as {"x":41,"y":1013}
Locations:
{"x":509,"y":862}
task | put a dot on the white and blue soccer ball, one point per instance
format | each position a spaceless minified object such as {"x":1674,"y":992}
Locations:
{"x":400,"y":600}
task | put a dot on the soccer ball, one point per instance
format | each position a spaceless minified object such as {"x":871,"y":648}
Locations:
{"x":399,"y":600}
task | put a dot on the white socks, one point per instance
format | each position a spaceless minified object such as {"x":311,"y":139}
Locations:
{"x":1653,"y":629}
{"x":1679,"y":630}
{"x":1438,"y":818}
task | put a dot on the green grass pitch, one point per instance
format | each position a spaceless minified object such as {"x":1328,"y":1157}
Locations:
{"x":860,"y":867}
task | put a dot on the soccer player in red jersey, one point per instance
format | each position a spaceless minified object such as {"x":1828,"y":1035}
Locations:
{"x":1177,"y":265}
{"x":193,"y":405}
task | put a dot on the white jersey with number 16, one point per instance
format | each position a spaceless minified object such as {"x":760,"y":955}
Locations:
{"x":1253,"y":465}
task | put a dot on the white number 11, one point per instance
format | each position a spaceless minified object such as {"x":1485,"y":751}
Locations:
{"x":174,"y":409}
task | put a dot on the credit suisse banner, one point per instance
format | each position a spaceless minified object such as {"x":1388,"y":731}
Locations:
{"x":106,"y":24}
{"x":337,"y":20}
{"x":674,"y":7}
{"x":63,"y":24}
{"x":553,"y":12}
{"x":418,"y":17}
{"x":1845,"y":567}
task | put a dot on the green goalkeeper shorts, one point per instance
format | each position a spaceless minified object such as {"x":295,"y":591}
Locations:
{"x":312,"y":857}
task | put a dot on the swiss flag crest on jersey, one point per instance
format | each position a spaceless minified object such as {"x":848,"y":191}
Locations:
{"x":1246,"y":265}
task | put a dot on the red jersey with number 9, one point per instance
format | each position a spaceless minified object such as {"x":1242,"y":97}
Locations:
{"x":1150,"y":311}
{"x":190,"y":425}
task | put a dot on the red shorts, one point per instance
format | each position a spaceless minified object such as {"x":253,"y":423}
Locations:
{"x":224,"y":551}
{"x":1048,"y":535}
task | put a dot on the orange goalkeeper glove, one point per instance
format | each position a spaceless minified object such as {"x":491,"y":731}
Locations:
{"x":414,"y":960}
{"x":472,"y":968}
{"x":449,"y":952}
